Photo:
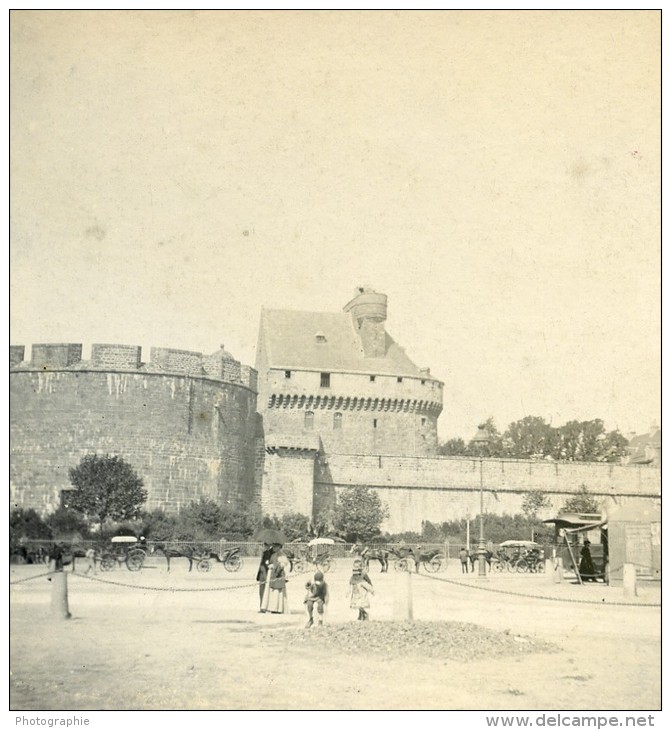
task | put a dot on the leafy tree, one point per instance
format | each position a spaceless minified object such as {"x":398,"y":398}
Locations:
{"x":26,"y":524}
{"x":159,"y":526}
{"x":588,"y":441}
{"x":452,"y":447}
{"x":201,"y":520}
{"x":582,"y":501}
{"x":294,"y":525}
{"x":106,"y":487}
{"x":529,"y":437}
{"x":65,"y":521}
{"x":239,"y":523}
{"x":359,"y":514}
{"x":493,"y":448}
{"x":534,"y":501}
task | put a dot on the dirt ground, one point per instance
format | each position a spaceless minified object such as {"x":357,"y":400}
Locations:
{"x":164,"y":641}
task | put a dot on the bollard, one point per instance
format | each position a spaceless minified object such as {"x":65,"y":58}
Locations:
{"x":59,"y":595}
{"x":557,"y":568}
{"x":403,"y":596}
{"x":629,"y":580}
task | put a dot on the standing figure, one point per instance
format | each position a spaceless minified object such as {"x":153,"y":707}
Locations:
{"x":463,"y":559}
{"x":361,"y":588}
{"x":586,"y":568}
{"x":90,"y":560}
{"x":262,"y":573}
{"x":275,"y":593}
{"x":317,"y":593}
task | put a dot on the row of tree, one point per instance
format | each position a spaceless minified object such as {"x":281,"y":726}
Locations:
{"x":533,"y":438}
{"x":108,"y":498}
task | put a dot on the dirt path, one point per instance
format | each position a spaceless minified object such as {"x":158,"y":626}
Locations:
{"x":169,"y":641}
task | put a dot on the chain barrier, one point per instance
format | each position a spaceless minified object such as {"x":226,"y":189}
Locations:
{"x":541,"y":598}
{"x":31,"y":577}
{"x":167,"y":590}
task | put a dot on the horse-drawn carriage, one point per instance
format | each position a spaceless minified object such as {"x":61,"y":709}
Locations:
{"x":403,"y":557}
{"x":124,"y":550}
{"x":518,"y":556}
{"x":201,"y":555}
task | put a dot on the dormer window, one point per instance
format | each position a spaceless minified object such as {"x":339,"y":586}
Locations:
{"x":320,"y":338}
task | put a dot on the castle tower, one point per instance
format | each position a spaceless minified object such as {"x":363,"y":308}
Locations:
{"x":369,"y":313}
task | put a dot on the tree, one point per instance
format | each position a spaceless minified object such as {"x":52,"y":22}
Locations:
{"x":26,"y":524}
{"x":106,"y":487}
{"x":534,"y":501}
{"x":359,"y":514}
{"x":201,"y":520}
{"x":530,"y":436}
{"x":294,"y":525}
{"x":65,"y":521}
{"x":452,"y":447}
{"x":582,"y":501}
{"x":493,"y":448}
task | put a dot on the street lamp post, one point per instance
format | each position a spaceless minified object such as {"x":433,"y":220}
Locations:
{"x":482,"y":439}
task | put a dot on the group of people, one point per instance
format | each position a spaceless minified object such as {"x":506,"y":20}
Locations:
{"x":272,"y":577}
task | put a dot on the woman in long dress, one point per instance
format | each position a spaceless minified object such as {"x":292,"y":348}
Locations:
{"x":275,"y":594}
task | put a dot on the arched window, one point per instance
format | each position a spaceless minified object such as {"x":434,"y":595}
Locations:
{"x":309,"y":420}
{"x":337,"y":421}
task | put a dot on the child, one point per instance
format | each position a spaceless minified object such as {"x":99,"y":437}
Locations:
{"x":361,"y":589}
{"x":317,"y":592}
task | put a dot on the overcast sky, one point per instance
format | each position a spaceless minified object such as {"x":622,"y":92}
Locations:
{"x":496,"y":174}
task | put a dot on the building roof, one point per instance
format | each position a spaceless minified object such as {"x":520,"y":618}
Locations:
{"x":291,"y":342}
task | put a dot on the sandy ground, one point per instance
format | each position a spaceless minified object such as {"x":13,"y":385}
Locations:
{"x":179,"y":640}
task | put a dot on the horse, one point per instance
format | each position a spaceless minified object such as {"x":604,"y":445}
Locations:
{"x":474,"y":557}
{"x":368,"y":553}
{"x":190,"y":552}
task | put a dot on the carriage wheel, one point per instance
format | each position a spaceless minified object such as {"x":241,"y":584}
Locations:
{"x":233,"y":563}
{"x":134,"y":561}
{"x":510,"y":566}
{"x":540,"y":566}
{"x":521,"y":566}
{"x":498,"y":566}
{"x":203,"y":565}
{"x":433,"y":565}
{"x":107,"y":563}
{"x":324,"y":564}
{"x":299,"y":566}
{"x":401,"y":564}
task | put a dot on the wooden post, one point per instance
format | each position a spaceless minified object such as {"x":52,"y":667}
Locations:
{"x":59,"y":595}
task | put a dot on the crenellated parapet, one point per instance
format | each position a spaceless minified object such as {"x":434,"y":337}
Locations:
{"x":52,"y":357}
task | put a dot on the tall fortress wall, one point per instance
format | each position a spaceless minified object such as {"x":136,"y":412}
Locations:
{"x":340,"y":404}
{"x":185,"y":421}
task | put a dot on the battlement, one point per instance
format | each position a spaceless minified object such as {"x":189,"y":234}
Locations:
{"x":221,"y":365}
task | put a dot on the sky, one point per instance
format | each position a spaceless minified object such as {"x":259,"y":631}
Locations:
{"x":496,"y":174}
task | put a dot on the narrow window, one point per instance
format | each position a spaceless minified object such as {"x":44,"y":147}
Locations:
{"x":423,"y":421}
{"x":423,"y":382}
{"x":375,"y":423}
{"x":326,"y":380}
{"x":399,"y":380}
{"x":309,"y":420}
{"x":372,"y":378}
{"x":287,"y":373}
{"x":337,"y":421}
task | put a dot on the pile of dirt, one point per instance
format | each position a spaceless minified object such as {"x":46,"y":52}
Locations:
{"x":439,"y":639}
